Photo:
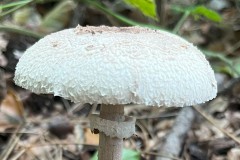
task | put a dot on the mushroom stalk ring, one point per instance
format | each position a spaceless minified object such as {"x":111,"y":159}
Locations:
{"x":119,"y":129}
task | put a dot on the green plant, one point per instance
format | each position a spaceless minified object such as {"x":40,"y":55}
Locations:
{"x":128,"y":154}
{"x":147,"y":7}
{"x":11,"y":7}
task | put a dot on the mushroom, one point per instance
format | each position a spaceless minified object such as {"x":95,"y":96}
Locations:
{"x":116,"y":66}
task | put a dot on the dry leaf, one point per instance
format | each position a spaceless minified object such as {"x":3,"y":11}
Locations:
{"x":234,"y":154}
{"x":12,"y":109}
{"x":91,"y":138}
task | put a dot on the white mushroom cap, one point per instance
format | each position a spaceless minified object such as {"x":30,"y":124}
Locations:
{"x":117,"y":65}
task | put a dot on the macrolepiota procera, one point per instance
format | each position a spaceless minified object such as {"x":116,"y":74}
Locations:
{"x":115,"y":66}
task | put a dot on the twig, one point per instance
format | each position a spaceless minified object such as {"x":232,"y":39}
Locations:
{"x":210,"y":119}
{"x":60,"y":152}
{"x":11,"y":144}
{"x":175,"y":139}
{"x":162,"y":115}
{"x":144,"y":130}
{"x":66,"y":104}
{"x":60,"y":144}
{"x":19,"y":154}
{"x":9,"y":132}
{"x":76,"y":107}
{"x":93,"y":109}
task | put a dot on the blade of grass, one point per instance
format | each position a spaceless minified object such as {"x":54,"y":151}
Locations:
{"x":14,"y":9}
{"x":13,"y":4}
{"x":223,"y":58}
{"x":12,"y":143}
{"x":181,"y":22}
{"x":20,"y":30}
{"x":211,"y":120}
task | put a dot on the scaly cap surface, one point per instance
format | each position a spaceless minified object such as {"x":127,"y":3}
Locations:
{"x":117,"y":65}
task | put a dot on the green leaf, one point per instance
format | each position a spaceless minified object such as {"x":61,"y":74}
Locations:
{"x":206,"y":12}
{"x":124,"y":19}
{"x":128,"y":154}
{"x":147,"y":7}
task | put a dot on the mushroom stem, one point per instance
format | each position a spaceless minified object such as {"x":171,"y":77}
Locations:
{"x":110,"y":148}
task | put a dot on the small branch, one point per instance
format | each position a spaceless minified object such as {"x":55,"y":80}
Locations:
{"x":19,"y":154}
{"x":11,"y":144}
{"x":93,"y":109}
{"x":175,"y":139}
{"x":59,"y":144}
{"x":162,"y":115}
{"x":211,"y":120}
